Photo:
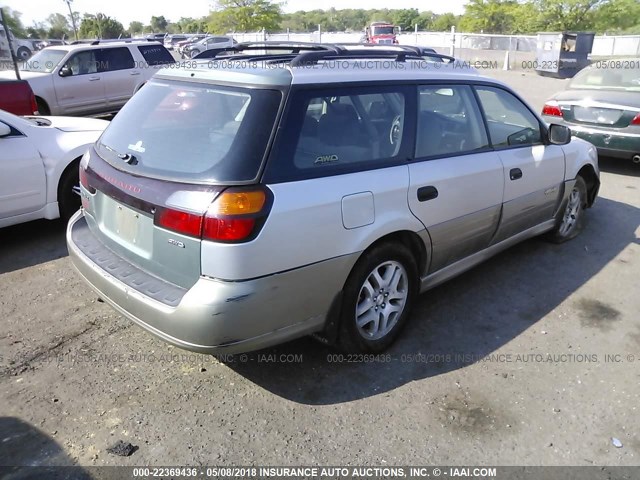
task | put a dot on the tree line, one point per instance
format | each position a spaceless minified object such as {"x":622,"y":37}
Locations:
{"x":480,"y":16}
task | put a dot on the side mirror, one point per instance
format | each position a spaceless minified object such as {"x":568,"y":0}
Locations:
{"x":65,"y":71}
{"x":559,"y":134}
{"x":5,"y":130}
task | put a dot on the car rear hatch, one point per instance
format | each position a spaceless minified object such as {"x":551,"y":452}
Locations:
{"x":151,"y":182}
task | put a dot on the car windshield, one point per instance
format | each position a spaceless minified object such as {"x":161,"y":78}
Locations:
{"x":44,"y":61}
{"x":383,"y":30}
{"x":627,"y":77}
{"x":192,"y":132}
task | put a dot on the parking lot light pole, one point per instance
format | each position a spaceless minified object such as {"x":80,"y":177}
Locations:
{"x":73,"y":19}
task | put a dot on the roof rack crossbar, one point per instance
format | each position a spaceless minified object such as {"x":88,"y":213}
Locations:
{"x":308,"y":58}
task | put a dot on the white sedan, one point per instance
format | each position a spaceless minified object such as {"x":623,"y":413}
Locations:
{"x":39,"y":159}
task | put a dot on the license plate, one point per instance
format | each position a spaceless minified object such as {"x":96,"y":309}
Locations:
{"x":127,"y":223}
{"x":607,"y":116}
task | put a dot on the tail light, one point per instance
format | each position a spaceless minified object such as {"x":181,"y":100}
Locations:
{"x":636,"y":120}
{"x":236,"y":215}
{"x":34,"y":105}
{"x":552,"y":109}
{"x":84,"y":180}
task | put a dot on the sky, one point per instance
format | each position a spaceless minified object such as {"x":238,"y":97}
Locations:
{"x":126,"y":11}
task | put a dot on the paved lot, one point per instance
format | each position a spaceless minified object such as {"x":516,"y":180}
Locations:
{"x":75,"y":376}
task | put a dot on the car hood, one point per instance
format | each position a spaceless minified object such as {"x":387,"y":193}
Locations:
{"x":73,"y":124}
{"x":627,"y":99}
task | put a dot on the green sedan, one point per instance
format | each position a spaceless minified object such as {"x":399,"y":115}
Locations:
{"x":602,"y":106}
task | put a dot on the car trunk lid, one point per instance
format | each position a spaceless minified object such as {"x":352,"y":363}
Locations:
{"x":123,"y":211}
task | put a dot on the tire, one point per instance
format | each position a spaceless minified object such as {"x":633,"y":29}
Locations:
{"x":570,"y":221}
{"x":369,"y":291}
{"x":68,"y":199}
{"x":23,"y":53}
{"x":194,"y":53}
{"x":43,"y":109}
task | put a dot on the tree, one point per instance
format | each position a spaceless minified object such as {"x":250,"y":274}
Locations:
{"x":559,"y":15}
{"x":406,"y":18}
{"x":244,"y":16}
{"x":58,"y":26}
{"x":100,"y":26}
{"x":135,"y":27}
{"x":159,"y":24}
{"x":444,"y":22}
{"x":490,"y":16}
{"x":37,"y":30}
{"x":617,"y":16}
{"x":12,"y":18}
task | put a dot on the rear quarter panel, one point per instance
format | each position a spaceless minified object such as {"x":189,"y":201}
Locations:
{"x":306,"y":225}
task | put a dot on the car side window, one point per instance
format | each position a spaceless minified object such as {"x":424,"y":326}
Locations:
{"x":112,"y":59}
{"x":155,"y":54}
{"x":83,"y":63}
{"x":449,"y":121}
{"x":510,"y":122}
{"x":342,"y":128}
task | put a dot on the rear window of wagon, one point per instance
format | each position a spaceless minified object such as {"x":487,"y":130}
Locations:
{"x":192,"y":132}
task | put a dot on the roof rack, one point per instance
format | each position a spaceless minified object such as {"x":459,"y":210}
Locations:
{"x":418,"y":50}
{"x":305,"y":53}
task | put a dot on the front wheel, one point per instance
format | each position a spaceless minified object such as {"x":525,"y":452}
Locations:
{"x":571,"y":221}
{"x":377,"y":298}
{"x":194,"y":53}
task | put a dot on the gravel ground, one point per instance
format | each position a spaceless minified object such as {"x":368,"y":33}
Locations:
{"x":75,"y":377}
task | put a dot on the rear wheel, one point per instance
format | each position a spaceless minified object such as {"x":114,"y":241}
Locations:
{"x":43,"y":109}
{"x":377,"y":300}
{"x":23,"y":53}
{"x":571,"y":221}
{"x":69,"y":191}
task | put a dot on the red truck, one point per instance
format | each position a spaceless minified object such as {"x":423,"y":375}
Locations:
{"x":383,"y":33}
{"x":17,"y":97}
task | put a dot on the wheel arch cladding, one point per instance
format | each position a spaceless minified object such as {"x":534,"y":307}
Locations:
{"x":409,"y":239}
{"x":587,"y":172}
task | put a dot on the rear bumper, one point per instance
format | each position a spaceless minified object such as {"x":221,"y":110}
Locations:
{"x":215,"y":316}
{"x":608,"y":142}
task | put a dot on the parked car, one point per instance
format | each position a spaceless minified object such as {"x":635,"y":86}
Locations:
{"x":234,"y":208}
{"x":194,"y":49}
{"x":85,"y":79}
{"x":52,"y":42}
{"x":17,"y":97}
{"x":156,"y":37}
{"x":22,"y":48}
{"x":602,"y":105}
{"x":170,"y":41}
{"x":39,"y":159}
{"x":180,"y":46}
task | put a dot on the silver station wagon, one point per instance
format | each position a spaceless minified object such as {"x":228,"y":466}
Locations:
{"x":268,"y":195}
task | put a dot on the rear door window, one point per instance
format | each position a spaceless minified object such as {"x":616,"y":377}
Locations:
{"x":112,"y":59}
{"x":192,"y":132}
{"x":449,"y":121}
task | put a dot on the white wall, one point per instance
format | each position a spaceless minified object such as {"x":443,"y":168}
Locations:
{"x":624,"y":45}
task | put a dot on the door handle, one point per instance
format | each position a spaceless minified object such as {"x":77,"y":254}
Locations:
{"x":134,"y":73}
{"x":515,"y":173}
{"x":427,"y":193}
{"x":93,"y":79}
